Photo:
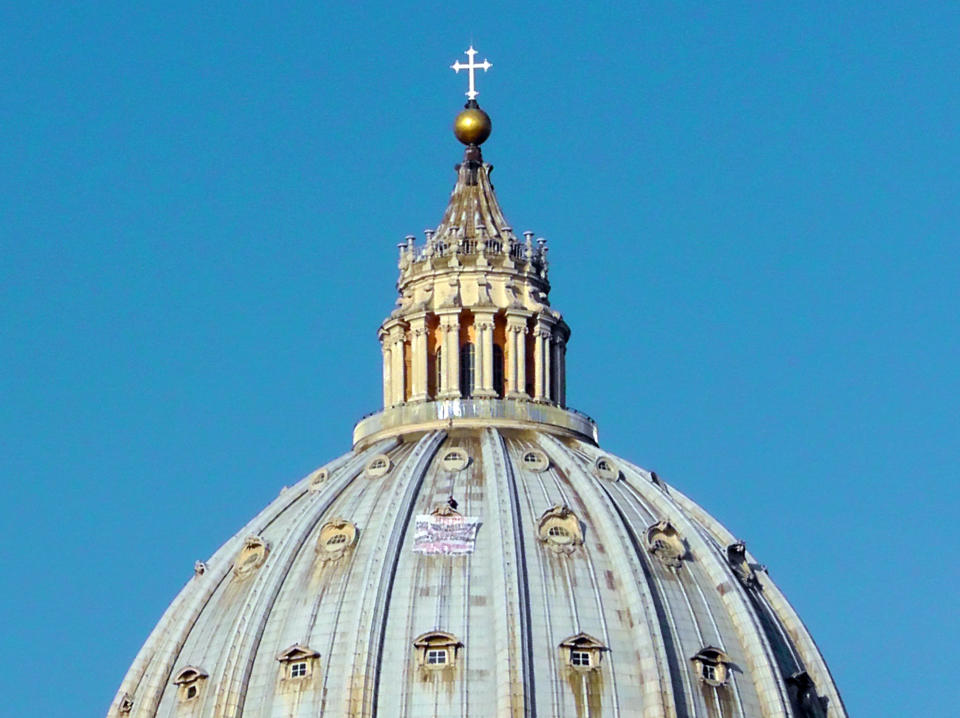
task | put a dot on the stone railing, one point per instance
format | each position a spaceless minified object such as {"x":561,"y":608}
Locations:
{"x":453,"y":243}
{"x":508,"y":413}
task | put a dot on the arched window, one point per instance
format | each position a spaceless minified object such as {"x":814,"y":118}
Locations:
{"x":498,"y":370}
{"x":467,"y":364}
{"x":439,"y":377}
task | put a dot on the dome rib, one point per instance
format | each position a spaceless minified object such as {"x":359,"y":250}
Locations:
{"x":753,"y":641}
{"x":363,"y":687}
{"x":644,"y":608}
{"x":587,"y":511}
{"x":785,"y":616}
{"x":251,"y":621}
{"x":324,"y":629}
{"x":680,"y":620}
{"x":516,"y":591}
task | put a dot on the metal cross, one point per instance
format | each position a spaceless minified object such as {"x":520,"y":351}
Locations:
{"x":470,"y":67}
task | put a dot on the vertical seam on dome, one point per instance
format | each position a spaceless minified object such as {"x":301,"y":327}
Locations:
{"x":506,"y":611}
{"x":234,"y":676}
{"x":663,"y":694}
{"x":169,"y":643}
{"x":565,"y":565}
{"x":426,"y":448}
{"x":720,"y":645}
{"x":529,"y":707}
{"x":557,"y":472}
{"x":382,"y":487}
{"x":646,"y":516}
{"x":677,"y":666}
{"x":747,"y":634}
{"x":771,"y":594}
{"x":548,"y":621}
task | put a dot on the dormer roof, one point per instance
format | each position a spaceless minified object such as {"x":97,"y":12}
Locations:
{"x":297,"y":652}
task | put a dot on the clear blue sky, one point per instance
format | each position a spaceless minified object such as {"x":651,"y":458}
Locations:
{"x":199,"y":207}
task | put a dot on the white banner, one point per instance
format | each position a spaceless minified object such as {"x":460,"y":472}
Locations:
{"x":451,"y":535}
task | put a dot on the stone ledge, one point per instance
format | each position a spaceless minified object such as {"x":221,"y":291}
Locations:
{"x":454,"y":413}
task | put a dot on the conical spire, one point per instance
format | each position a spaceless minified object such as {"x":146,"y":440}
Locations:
{"x":473,"y":211}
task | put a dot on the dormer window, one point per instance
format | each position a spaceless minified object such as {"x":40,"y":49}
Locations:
{"x":125,"y":705}
{"x":251,"y":557}
{"x":437,"y":657}
{"x":582,"y":652}
{"x":297,"y":663}
{"x":535,"y":460}
{"x":559,"y":530}
{"x":804,"y":691}
{"x":189,"y":681}
{"x":605,"y":468}
{"x":455,"y":459}
{"x":744,"y":570}
{"x":336,"y":537}
{"x":579,"y":658}
{"x":436,"y":650}
{"x":665,"y":543}
{"x":711,"y":666}
{"x":377,"y":466}
{"x":318,"y":479}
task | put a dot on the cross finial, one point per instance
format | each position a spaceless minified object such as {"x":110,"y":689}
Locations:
{"x":470,"y":67}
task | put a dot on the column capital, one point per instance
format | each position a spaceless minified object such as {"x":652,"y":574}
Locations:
{"x":449,"y":319}
{"x":546,"y":320}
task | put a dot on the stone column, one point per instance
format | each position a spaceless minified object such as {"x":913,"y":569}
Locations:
{"x":562,"y":399}
{"x":516,"y":374}
{"x":418,"y":358}
{"x":450,"y":369}
{"x":541,"y":360}
{"x":483,"y":323}
{"x":398,"y":367}
{"x":387,"y":368}
{"x":556,"y":367}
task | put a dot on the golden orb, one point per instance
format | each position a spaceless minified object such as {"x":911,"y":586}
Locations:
{"x":472,"y":126}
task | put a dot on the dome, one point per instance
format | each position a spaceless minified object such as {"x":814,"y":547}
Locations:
{"x":565,"y":582}
{"x":477,"y":553}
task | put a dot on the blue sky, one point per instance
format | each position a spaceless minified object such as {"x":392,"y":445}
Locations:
{"x":199,"y":209}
